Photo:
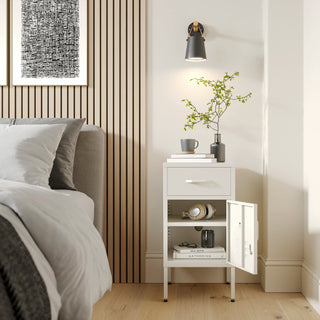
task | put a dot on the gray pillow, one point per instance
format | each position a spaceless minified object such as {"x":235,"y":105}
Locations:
{"x":6,"y":121}
{"x":62,"y":172}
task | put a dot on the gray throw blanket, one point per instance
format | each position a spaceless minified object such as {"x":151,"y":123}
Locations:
{"x":23,"y":294}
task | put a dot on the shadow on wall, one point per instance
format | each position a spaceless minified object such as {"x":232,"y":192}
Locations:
{"x":249,"y":187}
{"x":233,"y":51}
{"x":283,"y":217}
{"x":211,"y":34}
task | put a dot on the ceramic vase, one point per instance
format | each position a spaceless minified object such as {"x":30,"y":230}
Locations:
{"x":218,"y":148}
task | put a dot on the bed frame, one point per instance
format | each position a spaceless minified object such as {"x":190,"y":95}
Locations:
{"x":89,"y":169}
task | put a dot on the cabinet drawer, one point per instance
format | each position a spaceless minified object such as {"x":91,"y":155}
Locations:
{"x":199,"y":181}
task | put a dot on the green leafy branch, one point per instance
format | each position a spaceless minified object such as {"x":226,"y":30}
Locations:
{"x":218,"y":104}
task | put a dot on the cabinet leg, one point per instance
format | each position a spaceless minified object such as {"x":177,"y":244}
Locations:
{"x":169,"y":275}
{"x":233,"y":284}
{"x":165,"y":284}
{"x":227,"y":275}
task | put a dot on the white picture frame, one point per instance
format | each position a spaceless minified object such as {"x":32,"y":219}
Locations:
{"x":52,"y":67}
{"x":3,"y":43}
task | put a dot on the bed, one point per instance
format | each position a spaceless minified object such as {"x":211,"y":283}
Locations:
{"x":53,"y":262}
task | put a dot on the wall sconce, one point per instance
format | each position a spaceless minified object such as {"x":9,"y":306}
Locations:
{"x":195,"y":43}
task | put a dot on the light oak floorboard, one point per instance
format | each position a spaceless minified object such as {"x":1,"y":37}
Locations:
{"x":200,"y":301}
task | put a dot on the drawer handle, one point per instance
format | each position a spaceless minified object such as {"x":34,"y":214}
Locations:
{"x":195,"y":181}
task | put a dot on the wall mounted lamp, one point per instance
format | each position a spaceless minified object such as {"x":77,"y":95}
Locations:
{"x":195,"y":43}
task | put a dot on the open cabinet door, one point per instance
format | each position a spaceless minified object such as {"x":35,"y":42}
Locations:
{"x":242,"y":235}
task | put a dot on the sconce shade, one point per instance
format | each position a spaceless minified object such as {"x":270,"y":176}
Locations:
{"x":195,"y":45}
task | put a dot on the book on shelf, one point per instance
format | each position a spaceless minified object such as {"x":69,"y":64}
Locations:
{"x":193,"y":160}
{"x":181,"y":249}
{"x":203,"y":255}
{"x":192,"y":156}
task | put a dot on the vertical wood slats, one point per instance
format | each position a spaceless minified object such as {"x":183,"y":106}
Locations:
{"x":116,"y":140}
{"x":129,"y":150}
{"x":114,"y":99}
{"x":110,"y":122}
{"x":143,"y":134}
{"x":123,"y":137}
{"x":136,"y":141}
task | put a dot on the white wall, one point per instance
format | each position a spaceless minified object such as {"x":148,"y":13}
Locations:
{"x":283,"y":187}
{"x":311,"y":268}
{"x":233,"y":33}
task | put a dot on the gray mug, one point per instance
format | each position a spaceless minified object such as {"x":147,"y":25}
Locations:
{"x":189,"y":145}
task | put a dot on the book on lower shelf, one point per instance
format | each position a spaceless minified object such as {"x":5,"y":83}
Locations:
{"x":182,"y":249}
{"x":180,"y":252}
{"x":203,"y":255}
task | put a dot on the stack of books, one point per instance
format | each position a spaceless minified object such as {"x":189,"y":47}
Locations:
{"x":192,"y":158}
{"x":198,"y":253}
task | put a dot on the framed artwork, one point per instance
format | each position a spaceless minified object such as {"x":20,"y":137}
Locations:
{"x":3,"y":43}
{"x":49,"y":42}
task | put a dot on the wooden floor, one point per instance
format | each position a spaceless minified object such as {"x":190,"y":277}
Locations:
{"x":200,"y":302}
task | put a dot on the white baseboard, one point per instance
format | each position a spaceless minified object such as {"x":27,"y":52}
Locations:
{"x":154,"y":273}
{"x":154,"y":268}
{"x":311,"y":287}
{"x":280,"y":275}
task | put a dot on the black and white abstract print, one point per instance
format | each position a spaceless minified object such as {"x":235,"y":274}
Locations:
{"x":50,"y":38}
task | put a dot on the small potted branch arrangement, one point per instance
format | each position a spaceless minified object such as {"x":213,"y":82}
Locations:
{"x":216,"y":107}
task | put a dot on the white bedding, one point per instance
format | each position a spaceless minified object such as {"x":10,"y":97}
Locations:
{"x":63,"y":230}
{"x":82,"y":200}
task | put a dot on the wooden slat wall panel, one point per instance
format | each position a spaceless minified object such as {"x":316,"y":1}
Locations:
{"x":123,"y":139}
{"x":103,"y":80}
{"x":18,"y":106}
{"x":136,"y":139}
{"x":129,"y":234}
{"x":110,"y":138}
{"x":143,"y":133}
{"x":114,"y":99}
{"x":116,"y":132}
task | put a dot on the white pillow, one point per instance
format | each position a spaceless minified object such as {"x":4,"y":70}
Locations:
{"x":27,"y":152}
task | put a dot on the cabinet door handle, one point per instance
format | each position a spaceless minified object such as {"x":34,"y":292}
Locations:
{"x":250,"y":249}
{"x":195,"y":181}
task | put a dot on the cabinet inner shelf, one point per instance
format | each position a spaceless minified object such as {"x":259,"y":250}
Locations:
{"x":175,"y":221}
